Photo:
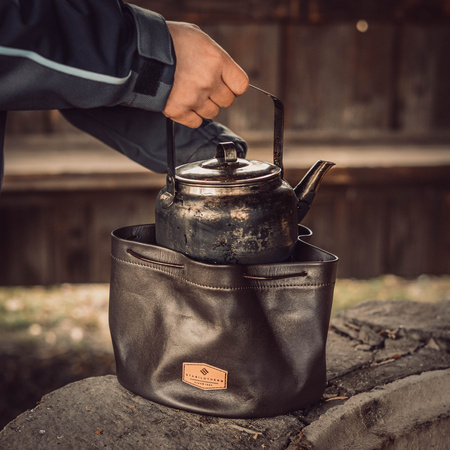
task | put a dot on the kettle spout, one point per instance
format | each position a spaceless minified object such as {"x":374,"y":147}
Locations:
{"x":306,"y":189}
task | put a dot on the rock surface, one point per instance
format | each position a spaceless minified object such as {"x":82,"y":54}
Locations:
{"x":388,"y":387}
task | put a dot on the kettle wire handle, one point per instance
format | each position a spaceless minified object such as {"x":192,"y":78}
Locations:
{"x":170,"y":178}
{"x":278,"y":129}
{"x":278,"y":132}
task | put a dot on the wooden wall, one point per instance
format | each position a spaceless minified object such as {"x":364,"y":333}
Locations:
{"x":377,"y":223}
{"x":380,"y":227}
{"x":57,"y":237}
{"x":386,"y":84}
{"x":392,"y":77}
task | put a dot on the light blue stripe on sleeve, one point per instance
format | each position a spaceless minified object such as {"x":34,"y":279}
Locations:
{"x":80,"y":73}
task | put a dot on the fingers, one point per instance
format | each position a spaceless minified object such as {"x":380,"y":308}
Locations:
{"x":193,"y":119}
{"x":189,"y":119}
{"x":208,"y":110}
{"x":200,"y":108}
{"x":223,"y":96}
{"x":206,"y":77}
{"x":235,"y":78}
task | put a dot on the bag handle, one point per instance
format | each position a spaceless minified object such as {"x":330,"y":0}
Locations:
{"x":153,"y":261}
{"x":244,"y":275}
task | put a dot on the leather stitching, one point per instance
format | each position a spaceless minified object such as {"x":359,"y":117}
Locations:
{"x":254,"y":286}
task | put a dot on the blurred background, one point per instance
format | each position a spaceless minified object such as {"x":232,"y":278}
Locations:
{"x":365,"y":83}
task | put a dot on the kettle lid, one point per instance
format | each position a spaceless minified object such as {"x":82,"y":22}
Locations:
{"x":226,"y":168}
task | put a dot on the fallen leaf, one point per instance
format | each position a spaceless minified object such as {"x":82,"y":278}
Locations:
{"x":352,"y":325}
{"x":387,"y":361}
{"x":246,"y":430}
{"x":336,"y":398}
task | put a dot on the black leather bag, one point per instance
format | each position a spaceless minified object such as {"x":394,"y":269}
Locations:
{"x":231,"y":341}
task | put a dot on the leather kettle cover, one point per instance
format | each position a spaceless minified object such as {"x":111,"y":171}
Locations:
{"x":241,"y":341}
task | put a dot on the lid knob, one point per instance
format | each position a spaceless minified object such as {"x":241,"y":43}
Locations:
{"x":226,"y":158}
{"x":226,"y":152}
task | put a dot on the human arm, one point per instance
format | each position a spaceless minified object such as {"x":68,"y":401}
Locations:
{"x":84,"y":54}
{"x":141,"y":135}
{"x":81,"y":56}
{"x":206,"y":77}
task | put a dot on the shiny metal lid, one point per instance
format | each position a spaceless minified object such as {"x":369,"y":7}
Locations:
{"x":226,"y":168}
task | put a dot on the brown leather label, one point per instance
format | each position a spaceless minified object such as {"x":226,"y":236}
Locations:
{"x":204,"y":376}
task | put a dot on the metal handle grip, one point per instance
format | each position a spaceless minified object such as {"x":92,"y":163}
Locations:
{"x":278,"y":129}
{"x":170,"y":179}
{"x":278,"y":133}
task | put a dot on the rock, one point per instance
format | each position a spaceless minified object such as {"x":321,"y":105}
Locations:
{"x":388,"y":387}
{"x":406,"y":329}
{"x":343,"y":356}
{"x":417,"y":320}
{"x":98,"y":412}
{"x":382,"y":418}
{"x":369,"y":336}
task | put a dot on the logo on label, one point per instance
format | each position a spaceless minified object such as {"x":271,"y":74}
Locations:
{"x":204,"y":376}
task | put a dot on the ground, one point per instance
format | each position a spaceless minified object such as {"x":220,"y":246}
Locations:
{"x":52,"y":336}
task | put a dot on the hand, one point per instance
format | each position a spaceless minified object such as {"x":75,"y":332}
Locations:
{"x":206,"y":77}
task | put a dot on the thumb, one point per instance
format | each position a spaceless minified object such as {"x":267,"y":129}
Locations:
{"x":234,"y":77}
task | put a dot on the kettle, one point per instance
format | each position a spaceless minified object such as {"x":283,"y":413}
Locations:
{"x":230,"y":210}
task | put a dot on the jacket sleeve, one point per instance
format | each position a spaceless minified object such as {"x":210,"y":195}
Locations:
{"x":57,"y":54}
{"x":141,"y":135}
{"x":108,"y":66}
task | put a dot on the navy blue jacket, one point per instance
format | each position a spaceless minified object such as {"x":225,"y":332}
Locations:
{"x":108,"y":66}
